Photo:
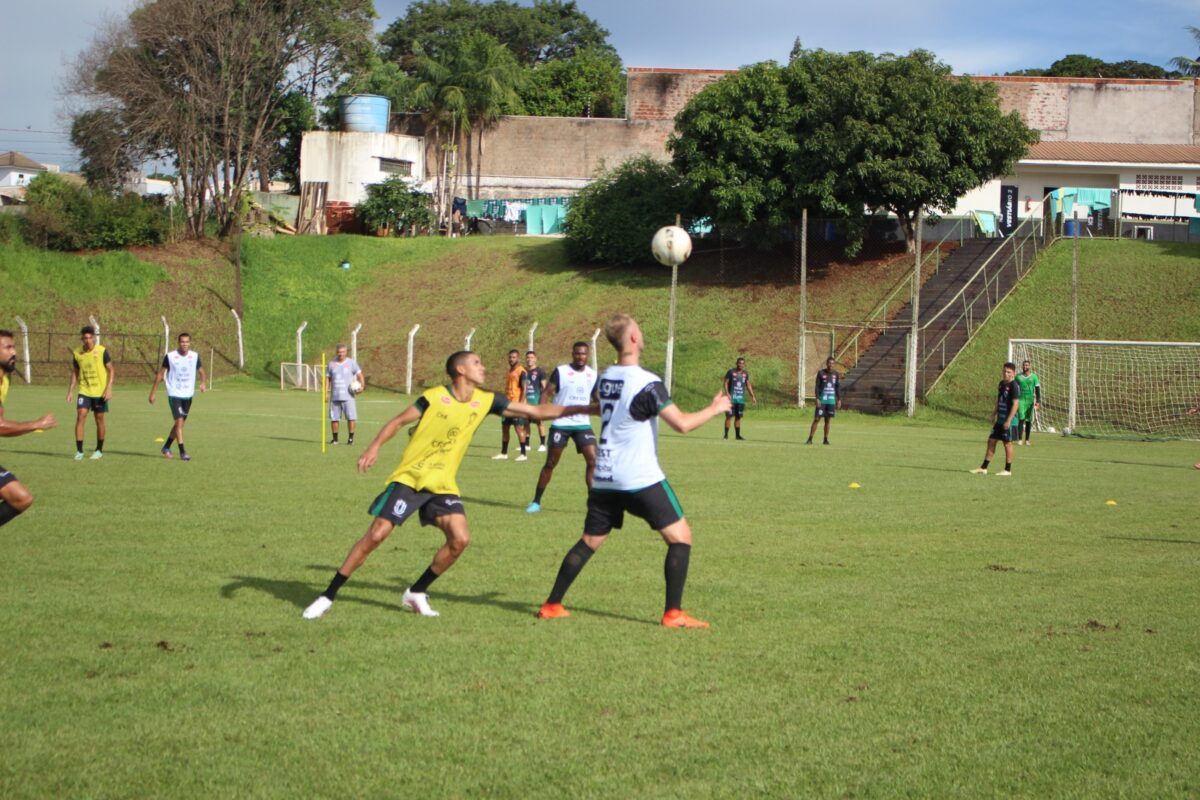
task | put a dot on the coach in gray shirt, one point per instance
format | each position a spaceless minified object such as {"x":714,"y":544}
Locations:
{"x":342,"y":373}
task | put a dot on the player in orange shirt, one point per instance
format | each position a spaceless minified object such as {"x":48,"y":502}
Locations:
{"x":514,"y":390}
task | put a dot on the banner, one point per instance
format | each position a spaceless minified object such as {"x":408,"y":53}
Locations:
{"x":1008,"y":210}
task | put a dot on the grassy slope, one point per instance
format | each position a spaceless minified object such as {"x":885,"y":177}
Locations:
{"x":906,"y":639}
{"x":1127,"y":290}
{"x":499,"y":286}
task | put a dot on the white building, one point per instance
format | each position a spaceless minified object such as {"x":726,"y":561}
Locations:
{"x":19,"y":170}
{"x":350,"y":161}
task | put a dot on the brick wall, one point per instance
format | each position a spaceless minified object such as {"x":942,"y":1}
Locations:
{"x":660,"y":94}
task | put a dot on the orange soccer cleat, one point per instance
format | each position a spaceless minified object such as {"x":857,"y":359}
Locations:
{"x":552,"y":611}
{"x":678,"y":618}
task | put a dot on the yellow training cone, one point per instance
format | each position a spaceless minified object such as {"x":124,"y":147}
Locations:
{"x":159,"y":440}
{"x":1110,"y":502}
{"x":855,"y":485}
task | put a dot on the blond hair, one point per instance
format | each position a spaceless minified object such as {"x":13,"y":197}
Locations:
{"x":614,"y":329}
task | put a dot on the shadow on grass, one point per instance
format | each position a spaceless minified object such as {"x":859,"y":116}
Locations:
{"x":1153,"y":539}
{"x":962,"y":470}
{"x":300,"y":593}
{"x":70,"y":454}
{"x":288,"y":439}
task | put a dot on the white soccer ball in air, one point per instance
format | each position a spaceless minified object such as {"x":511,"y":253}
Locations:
{"x":356,"y":386}
{"x":671,"y":246}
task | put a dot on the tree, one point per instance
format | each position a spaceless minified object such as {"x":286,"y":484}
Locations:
{"x":396,"y":206}
{"x":1077,"y":65}
{"x":107,"y":152}
{"x":440,"y":93}
{"x":337,"y":41}
{"x":613,"y":218}
{"x":591,"y":84}
{"x":546,"y":31}
{"x":490,"y":75}
{"x":839,"y":133}
{"x":202,"y":83}
{"x":295,"y":116}
{"x":1189,"y":66}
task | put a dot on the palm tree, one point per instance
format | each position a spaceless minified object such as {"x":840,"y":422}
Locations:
{"x":1189,"y":66}
{"x":439,"y":91}
{"x":491,"y":76}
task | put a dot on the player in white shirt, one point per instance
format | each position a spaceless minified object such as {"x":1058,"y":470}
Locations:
{"x":573,"y":384}
{"x":628,"y":477}
{"x":180,"y":369}
{"x":341,"y":374}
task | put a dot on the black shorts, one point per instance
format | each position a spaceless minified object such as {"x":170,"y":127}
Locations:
{"x":583,"y":437}
{"x":656,"y":504}
{"x":736,"y":410}
{"x":6,"y":478}
{"x":826,"y":410}
{"x":397,"y":503}
{"x":1000,"y":432}
{"x":506,"y":421}
{"x":180,"y":406}
{"x":97,"y":405}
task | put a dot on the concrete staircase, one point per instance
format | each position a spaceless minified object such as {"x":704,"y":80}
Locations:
{"x":876,"y":383}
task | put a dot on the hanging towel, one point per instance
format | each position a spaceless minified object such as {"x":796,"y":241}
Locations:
{"x":533,"y":220}
{"x":475,"y":208}
{"x":1194,"y":225}
{"x":1094,"y":199}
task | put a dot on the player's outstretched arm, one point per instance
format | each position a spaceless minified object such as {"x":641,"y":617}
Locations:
{"x":8,"y":428}
{"x":371,"y":454}
{"x":683,"y":421}
{"x":544,"y":411}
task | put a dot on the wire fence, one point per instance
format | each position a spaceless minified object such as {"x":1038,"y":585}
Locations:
{"x":135,"y":356}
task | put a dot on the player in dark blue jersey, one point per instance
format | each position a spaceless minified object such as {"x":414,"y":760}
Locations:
{"x":829,"y":398}
{"x":535,"y":387}
{"x":737,"y":384}
{"x":1008,"y":400}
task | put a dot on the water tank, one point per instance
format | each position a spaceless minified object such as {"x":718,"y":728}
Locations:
{"x":364,"y":113}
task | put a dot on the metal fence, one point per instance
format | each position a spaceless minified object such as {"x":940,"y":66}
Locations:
{"x":135,"y":356}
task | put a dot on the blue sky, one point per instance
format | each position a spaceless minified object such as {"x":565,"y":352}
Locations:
{"x":978,"y":38}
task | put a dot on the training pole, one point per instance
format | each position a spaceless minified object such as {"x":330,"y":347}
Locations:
{"x":324,"y":390}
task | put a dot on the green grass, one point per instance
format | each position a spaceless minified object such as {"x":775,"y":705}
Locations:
{"x":36,"y":280}
{"x":1147,"y":291}
{"x":930,"y":634}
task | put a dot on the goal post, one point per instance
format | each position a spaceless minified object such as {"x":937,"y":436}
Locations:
{"x":1118,"y":389}
{"x":306,"y":377}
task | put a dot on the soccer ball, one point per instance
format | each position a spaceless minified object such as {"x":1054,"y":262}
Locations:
{"x":671,"y":246}
{"x":356,"y":386}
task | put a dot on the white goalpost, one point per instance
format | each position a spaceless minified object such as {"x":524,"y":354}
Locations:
{"x":1113,"y":388}
{"x":306,"y":377}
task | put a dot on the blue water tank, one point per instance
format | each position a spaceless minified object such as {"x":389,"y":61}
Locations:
{"x":1069,"y":228}
{"x":364,"y":113}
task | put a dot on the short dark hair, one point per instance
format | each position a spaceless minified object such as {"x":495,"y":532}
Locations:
{"x":1010,"y":365}
{"x":6,"y":334}
{"x":183,"y":334}
{"x":456,"y":360}
{"x":87,"y":329}
{"x":530,"y":353}
{"x":581,"y":344}
{"x":514,"y":350}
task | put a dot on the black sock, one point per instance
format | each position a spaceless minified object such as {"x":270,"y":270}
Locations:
{"x":422,"y":584}
{"x":170,"y":441}
{"x":182,"y":452}
{"x":727,"y":433}
{"x":99,"y":445}
{"x":1008,"y":466}
{"x":523,"y":446}
{"x":572,"y":563}
{"x":335,"y":436}
{"x":504,"y":448}
{"x":79,"y":445}
{"x":335,"y":584}
{"x":350,"y":438}
{"x":541,"y":439}
{"x":537,"y":494}
{"x":675,"y":570}
{"x":7,"y":513}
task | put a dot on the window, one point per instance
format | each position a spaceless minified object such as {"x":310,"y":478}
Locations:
{"x":394,"y":166}
{"x":1170,"y":183}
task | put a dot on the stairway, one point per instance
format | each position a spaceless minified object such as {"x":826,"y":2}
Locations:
{"x":876,"y":383}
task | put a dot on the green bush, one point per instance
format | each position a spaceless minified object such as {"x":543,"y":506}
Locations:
{"x":395,"y":205}
{"x":63,"y":216}
{"x":612,"y":220}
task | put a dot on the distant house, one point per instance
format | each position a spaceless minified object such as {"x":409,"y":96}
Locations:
{"x":19,"y":170}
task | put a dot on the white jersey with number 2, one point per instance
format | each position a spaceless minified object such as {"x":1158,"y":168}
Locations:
{"x":627,"y":456}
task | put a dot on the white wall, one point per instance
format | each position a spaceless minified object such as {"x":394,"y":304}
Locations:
{"x":17,"y":176}
{"x":349,"y":162}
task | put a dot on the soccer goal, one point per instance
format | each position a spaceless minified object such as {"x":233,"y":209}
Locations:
{"x":1114,"y":389}
{"x":299,"y":376}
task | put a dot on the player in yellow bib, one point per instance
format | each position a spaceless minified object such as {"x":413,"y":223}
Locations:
{"x":14,"y":497}
{"x":92,"y":370}
{"x":426,"y":480}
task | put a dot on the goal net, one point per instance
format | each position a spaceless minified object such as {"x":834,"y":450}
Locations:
{"x":1114,"y":389}
{"x":299,"y":376}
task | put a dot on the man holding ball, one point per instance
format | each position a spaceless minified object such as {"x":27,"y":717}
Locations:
{"x":345,"y":379}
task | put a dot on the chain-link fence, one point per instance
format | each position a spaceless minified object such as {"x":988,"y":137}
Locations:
{"x":135,"y":356}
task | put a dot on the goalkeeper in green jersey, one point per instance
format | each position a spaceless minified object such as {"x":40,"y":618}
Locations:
{"x":1031,"y":400}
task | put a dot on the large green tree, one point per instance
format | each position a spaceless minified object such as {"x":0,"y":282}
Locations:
{"x":840,"y":133}
{"x":1078,"y":65}
{"x":107,"y":153}
{"x":590,"y":84}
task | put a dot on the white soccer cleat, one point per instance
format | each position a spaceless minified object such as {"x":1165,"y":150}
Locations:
{"x":318,"y":607}
{"x":979,"y":471}
{"x":1003,"y":473}
{"x":97,"y":455}
{"x":419,"y":603}
{"x":541,"y":448}
{"x":500,"y":457}
{"x":521,"y":457}
{"x":79,"y":456}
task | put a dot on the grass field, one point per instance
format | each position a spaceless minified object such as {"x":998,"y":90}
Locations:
{"x":930,"y":634}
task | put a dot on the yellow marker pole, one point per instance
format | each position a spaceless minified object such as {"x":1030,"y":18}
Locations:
{"x":324,"y":389}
